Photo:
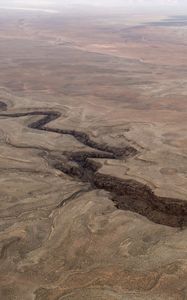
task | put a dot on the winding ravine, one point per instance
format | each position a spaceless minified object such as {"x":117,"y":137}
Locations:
{"x":126,"y":194}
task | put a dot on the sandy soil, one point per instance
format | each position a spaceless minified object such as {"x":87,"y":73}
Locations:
{"x":122,"y":82}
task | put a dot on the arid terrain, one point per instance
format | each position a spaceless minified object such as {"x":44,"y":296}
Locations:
{"x":93,"y":156}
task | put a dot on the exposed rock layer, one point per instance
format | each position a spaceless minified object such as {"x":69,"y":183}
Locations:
{"x":127,"y":194}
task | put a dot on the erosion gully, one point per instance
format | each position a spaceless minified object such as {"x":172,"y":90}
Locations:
{"x":126,"y":194}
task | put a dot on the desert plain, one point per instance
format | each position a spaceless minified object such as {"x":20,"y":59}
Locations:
{"x":93,"y":159}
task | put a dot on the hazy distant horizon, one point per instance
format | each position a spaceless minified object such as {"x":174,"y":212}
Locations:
{"x":54,"y":4}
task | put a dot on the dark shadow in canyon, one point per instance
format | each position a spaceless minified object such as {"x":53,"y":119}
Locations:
{"x":126,"y":194}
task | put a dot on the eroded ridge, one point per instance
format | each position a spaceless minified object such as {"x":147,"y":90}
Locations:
{"x":126,"y":194}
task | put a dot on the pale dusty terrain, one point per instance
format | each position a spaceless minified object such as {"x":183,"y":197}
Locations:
{"x":122,"y":81}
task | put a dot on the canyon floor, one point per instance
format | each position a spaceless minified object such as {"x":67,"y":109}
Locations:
{"x":93,"y":159}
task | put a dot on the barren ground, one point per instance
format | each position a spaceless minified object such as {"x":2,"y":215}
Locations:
{"x":93,"y":159}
